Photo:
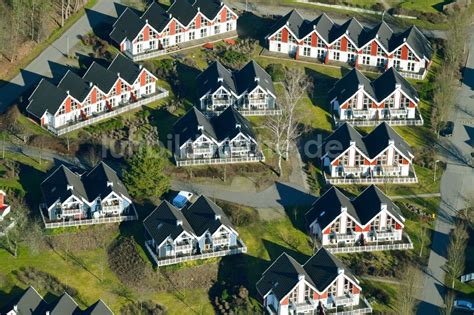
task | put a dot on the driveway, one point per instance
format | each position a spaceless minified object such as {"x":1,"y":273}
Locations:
{"x":52,"y":60}
{"x":457,"y":186}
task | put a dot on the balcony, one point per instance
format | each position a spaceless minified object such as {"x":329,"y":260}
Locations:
{"x":202,"y":150}
{"x":398,"y":112}
{"x":352,"y":169}
{"x":307,"y":305}
{"x":343,"y":300}
{"x":358,"y":112}
{"x":71,"y":211}
{"x":221,"y":102}
{"x":218,"y":241}
{"x":384,"y":235}
{"x":183,"y":247}
{"x":345,"y":237}
{"x":391,"y":169}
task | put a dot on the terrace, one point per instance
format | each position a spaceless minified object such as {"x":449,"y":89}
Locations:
{"x":378,"y":245}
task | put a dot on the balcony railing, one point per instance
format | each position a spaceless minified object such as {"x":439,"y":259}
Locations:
{"x":398,"y":111}
{"x":202,"y":150}
{"x":390,"y":169}
{"x":371,"y":180}
{"x":400,"y":245}
{"x":381,"y":235}
{"x":359,"y":112}
{"x":71,"y":211}
{"x":363,"y":308}
{"x":220,"y":241}
{"x":241,"y":248}
{"x":162,"y":93}
{"x":308,"y":305}
{"x":352,"y":169}
{"x":111,"y":208}
{"x":358,"y":122}
{"x":249,"y":112}
{"x":344,"y":237}
{"x":215,"y":161}
{"x":183,"y":247}
{"x":343,"y":300}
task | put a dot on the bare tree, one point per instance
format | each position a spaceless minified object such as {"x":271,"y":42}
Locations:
{"x":448,"y":302}
{"x":409,"y":282}
{"x":296,"y":84}
{"x":13,"y":236}
{"x":443,"y":97}
{"x":276,"y":124}
{"x":456,"y":257}
{"x":457,"y":36}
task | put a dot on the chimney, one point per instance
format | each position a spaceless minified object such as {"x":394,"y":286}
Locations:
{"x":377,"y":36}
{"x":91,"y":84}
{"x":200,"y":127}
{"x":15,"y":308}
{"x":398,"y":86}
{"x":383,"y":206}
{"x":404,"y":39}
{"x":67,"y":92}
{"x":110,"y":184}
{"x":118,"y":74}
{"x":199,"y":9}
{"x":287,"y":23}
{"x":314,"y":26}
{"x":360,"y":86}
{"x":391,"y":142}
{"x":170,"y":16}
{"x":300,"y":277}
{"x":48,"y":312}
{"x":217,"y":217}
{"x":146,"y":21}
{"x":347,"y":32}
{"x":179,"y":222}
{"x":69,"y":187}
{"x":352,"y":143}
{"x":219,"y":79}
{"x":340,"y":271}
{"x":238,"y":126}
{"x":343,"y":209}
{"x":257,"y":79}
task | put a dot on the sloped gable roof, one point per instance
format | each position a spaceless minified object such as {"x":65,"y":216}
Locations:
{"x":65,"y":306}
{"x":210,"y":8}
{"x":340,"y":140}
{"x":128,"y":70}
{"x":226,"y":124}
{"x":293,"y":20}
{"x":30,"y":303}
{"x":385,"y":85}
{"x":214,"y":77}
{"x":351,"y":28}
{"x":193,"y":125}
{"x":100,"y":76}
{"x":183,"y":10}
{"x":75,"y":85}
{"x":99,"y":308}
{"x":128,"y":25}
{"x":46,"y":97}
{"x":156,"y":16}
{"x":348,"y":85}
{"x":97,"y":182}
{"x":378,"y":140}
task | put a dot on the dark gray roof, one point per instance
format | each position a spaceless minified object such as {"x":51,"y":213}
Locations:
{"x":99,"y":308}
{"x":128,"y":70}
{"x":377,"y":140}
{"x":359,"y":34}
{"x":245,"y":79}
{"x":385,"y":85}
{"x":281,"y":276}
{"x":163,"y":223}
{"x":65,"y":306}
{"x":368,"y":204}
{"x":293,"y":20}
{"x":320,"y":271}
{"x":96,"y":182}
{"x":157,"y":17}
{"x":226,"y":124}
{"x":128,"y":25}
{"x":87,"y":186}
{"x":215,"y":76}
{"x":55,"y":186}
{"x":201,"y":216}
{"x":362,"y":208}
{"x":379,"y":89}
{"x":75,"y":85}
{"x":183,"y":10}
{"x":100,"y":76}
{"x":46,"y":97}
{"x":370,"y":145}
{"x":323,"y":268}
{"x":30,"y":303}
{"x":340,"y":140}
{"x":195,"y":220}
{"x":210,"y":8}
{"x":218,"y":128}
{"x":189,"y":126}
{"x":348,"y":85}
{"x":328,"y":207}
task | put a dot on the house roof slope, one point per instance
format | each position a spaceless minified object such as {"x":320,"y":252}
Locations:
{"x":46,"y":97}
{"x":128,"y":25}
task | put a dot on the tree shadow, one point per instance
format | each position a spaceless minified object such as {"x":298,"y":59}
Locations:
{"x":290,"y":195}
{"x":254,"y":26}
{"x":468,"y":77}
{"x":100,"y":23}
{"x":187,"y":79}
{"x":10,"y":298}
{"x":30,"y":180}
{"x":11,"y":93}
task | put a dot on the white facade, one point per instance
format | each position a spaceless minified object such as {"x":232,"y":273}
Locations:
{"x":353,"y":163}
{"x":98,"y":102}
{"x":362,"y":106}
{"x":175,"y":33}
{"x":304,"y":298}
{"x":403,"y":58}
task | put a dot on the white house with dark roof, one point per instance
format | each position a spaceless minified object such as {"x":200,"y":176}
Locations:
{"x":382,"y":156}
{"x":322,"y":285}
{"x":226,"y":138}
{"x":159,"y":31}
{"x":101,"y":93}
{"x":409,"y":51}
{"x":250,"y":90}
{"x":344,"y":224}
{"x":362,"y":102}
{"x":198,"y":231}
{"x":31,"y":302}
{"x":97,"y":196}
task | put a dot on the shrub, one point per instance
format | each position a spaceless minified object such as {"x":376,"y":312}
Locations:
{"x":276,"y":71}
{"x":43,"y":281}
{"x":234,"y":58}
{"x":239,"y":215}
{"x":125,"y":261}
{"x":143,"y":308}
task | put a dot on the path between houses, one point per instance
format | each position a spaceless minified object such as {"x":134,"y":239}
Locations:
{"x":50,"y":63}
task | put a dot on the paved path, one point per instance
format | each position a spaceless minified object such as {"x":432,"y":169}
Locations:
{"x":457,"y":185}
{"x":262,"y":9}
{"x":36,"y":153}
{"x":416,"y":196}
{"x":50,"y":62}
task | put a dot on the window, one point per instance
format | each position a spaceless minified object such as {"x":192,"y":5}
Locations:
{"x":229,"y":15}
{"x":150,"y":33}
{"x":350,"y":47}
{"x":228,"y":27}
{"x":179,"y":39}
{"x":279,"y":47}
{"x":411,"y":66}
{"x":306,"y":51}
{"x":365,"y":60}
{"x":353,"y":102}
{"x":333,"y":289}
{"x":336,"y":227}
{"x":293,"y":297}
{"x":398,"y":54}
{"x":191,"y":36}
{"x":203,"y":32}
{"x":278,"y":37}
{"x":337,"y":45}
{"x":139,"y":48}
{"x":347,"y":286}
{"x":307,"y":41}
{"x":148,"y":89}
{"x":62,"y":110}
{"x":321,"y":43}
{"x":411,"y":56}
{"x":396,"y":64}
{"x":140,"y":38}
{"x":165,"y":42}
{"x":366,"y":50}
{"x":397,"y":158}
{"x":358,"y":160}
{"x":380,"y":51}
{"x":308,"y":292}
{"x":390,"y":223}
{"x":217,"y":29}
{"x":380,"y":62}
{"x":320,"y":53}
{"x":366,"y":102}
{"x":404,"y":102}
{"x":351,"y":225}
{"x":337,"y":55}
{"x":204,"y":23}
{"x":153,"y":45}
{"x":193,"y":25}
{"x":375,"y":226}
{"x":351,"y":57}
{"x":390,"y":102}
{"x":179,"y":28}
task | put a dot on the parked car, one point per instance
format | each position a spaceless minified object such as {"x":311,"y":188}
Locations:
{"x":448,"y":129}
{"x":182,"y":199}
{"x":464,"y":305}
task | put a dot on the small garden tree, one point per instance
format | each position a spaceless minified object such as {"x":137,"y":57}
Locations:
{"x":145,"y":176}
